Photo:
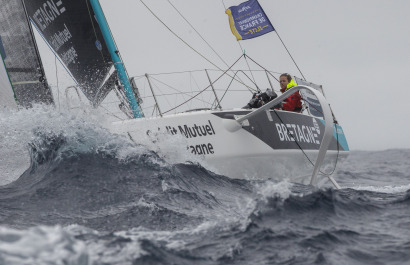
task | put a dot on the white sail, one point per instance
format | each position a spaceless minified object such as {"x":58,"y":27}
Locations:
{"x":6,"y":91}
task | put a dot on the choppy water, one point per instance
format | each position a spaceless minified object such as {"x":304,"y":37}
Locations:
{"x":91,"y":197}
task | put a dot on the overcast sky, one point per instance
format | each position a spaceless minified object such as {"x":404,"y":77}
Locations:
{"x":359,"y":50}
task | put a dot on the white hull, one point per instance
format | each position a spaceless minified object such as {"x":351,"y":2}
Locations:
{"x":259,"y":150}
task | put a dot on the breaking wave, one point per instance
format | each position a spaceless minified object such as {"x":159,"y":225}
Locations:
{"x":87,"y":196}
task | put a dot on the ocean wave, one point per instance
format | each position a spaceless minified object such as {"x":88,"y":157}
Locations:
{"x":41,"y":245}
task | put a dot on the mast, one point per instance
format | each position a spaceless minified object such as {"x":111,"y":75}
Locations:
{"x":119,"y":66}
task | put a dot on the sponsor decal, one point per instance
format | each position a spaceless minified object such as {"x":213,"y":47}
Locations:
{"x":69,"y":56}
{"x":60,"y":38}
{"x":316,"y":125}
{"x":48,"y":12}
{"x":197,"y":131}
{"x":243,"y":9}
{"x":289,"y":132}
{"x":194,"y":131}
{"x":339,"y":130}
{"x":98,"y":45}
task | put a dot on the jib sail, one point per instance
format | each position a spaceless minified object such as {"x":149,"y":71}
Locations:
{"x":71,"y":30}
{"x":21,"y":56}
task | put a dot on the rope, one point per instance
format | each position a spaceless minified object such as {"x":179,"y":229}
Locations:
{"x":264,"y":69}
{"x":201,"y":70}
{"x":209,"y":45}
{"x":243,"y":52}
{"x":239,"y":44}
{"x":226,"y":91}
{"x":187,"y":44}
{"x":290,"y":55}
{"x":304,"y":153}
{"x":204,"y":88}
{"x":111,"y":113}
{"x":152,"y":12}
{"x":179,"y":92}
{"x":247,"y":63}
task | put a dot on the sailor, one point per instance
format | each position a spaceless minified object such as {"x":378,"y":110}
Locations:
{"x":294,"y":102}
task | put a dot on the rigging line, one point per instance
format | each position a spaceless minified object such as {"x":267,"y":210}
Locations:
{"x":303,"y":151}
{"x":223,"y":3}
{"x":207,"y":103}
{"x":243,"y":52}
{"x":226,"y":91}
{"x":197,"y":52}
{"x":337,"y":156}
{"x":192,"y":80}
{"x":111,"y":113}
{"x":337,"y":141}
{"x":290,"y":54}
{"x":172,"y":73}
{"x":152,"y":12}
{"x":262,"y":67}
{"x":179,"y":92}
{"x":266,"y":70}
{"x":205,"y":87}
{"x":116,"y":46}
{"x":199,"y":34}
{"x":55,"y":54}
{"x":193,"y":71}
{"x":247,"y":63}
{"x":157,"y":87}
{"x":91,"y":17}
{"x":58,"y":89}
{"x":271,"y":73}
{"x":209,"y":45}
{"x":249,"y":80}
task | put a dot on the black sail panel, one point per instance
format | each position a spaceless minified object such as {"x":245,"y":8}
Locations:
{"x":20,"y":55}
{"x":70,"y":28}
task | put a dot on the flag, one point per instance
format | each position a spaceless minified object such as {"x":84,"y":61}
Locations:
{"x":248,"y":20}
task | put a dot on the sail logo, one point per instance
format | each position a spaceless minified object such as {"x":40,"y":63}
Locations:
{"x":48,"y":12}
{"x":98,"y":45}
{"x":299,"y":133}
{"x":195,"y":131}
{"x":69,"y":56}
{"x":243,"y":9}
{"x":60,"y":38}
{"x":316,"y":125}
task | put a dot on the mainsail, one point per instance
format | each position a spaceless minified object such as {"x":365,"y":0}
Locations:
{"x":6,"y":90}
{"x":21,"y":57}
{"x":72,"y":32}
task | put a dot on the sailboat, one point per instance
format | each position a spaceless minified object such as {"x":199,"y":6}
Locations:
{"x":257,"y":143}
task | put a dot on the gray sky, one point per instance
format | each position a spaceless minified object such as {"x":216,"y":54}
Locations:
{"x":359,"y":50}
